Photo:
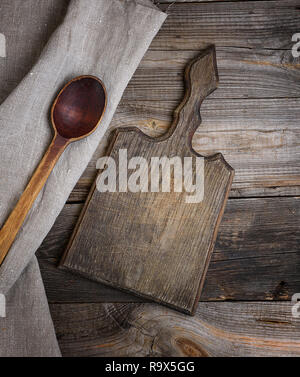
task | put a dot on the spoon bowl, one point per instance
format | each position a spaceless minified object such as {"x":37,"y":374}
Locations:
{"x":75,"y":114}
{"x":79,"y":107}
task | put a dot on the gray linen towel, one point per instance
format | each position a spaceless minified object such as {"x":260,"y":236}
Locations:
{"x":105,"y":38}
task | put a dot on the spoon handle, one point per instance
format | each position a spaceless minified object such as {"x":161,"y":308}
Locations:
{"x":15,"y":220}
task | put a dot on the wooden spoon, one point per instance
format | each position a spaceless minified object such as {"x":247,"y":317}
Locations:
{"x":75,"y":114}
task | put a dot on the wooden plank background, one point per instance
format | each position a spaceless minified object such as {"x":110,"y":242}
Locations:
{"x":239,"y":329}
{"x":253,"y":119}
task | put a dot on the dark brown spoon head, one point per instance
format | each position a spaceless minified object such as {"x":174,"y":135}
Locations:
{"x":79,"y":108}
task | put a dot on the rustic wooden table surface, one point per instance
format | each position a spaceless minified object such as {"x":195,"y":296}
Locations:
{"x":253,"y":119}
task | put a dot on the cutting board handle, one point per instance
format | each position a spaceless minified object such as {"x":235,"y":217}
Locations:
{"x":201,"y":79}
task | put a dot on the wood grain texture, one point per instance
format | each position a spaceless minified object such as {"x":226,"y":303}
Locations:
{"x":244,"y":73}
{"x":259,"y":137}
{"x":257,"y":238}
{"x":264,"y":131}
{"x":157,"y":2}
{"x":263,"y":127}
{"x":218,"y":329}
{"x":257,"y":252}
{"x":251,"y":24}
{"x":124,"y":239}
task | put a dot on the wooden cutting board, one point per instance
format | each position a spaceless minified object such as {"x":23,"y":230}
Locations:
{"x":155,"y":244}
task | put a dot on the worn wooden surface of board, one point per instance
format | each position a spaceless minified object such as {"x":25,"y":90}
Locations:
{"x":253,"y":118}
{"x":157,"y":244}
{"x":256,"y":256}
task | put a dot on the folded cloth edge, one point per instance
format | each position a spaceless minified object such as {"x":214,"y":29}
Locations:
{"x":11,"y":270}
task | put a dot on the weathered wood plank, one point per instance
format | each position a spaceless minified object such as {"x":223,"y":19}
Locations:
{"x":264,"y":131}
{"x":268,"y":24}
{"x":257,"y":253}
{"x":80,"y":192}
{"x":124,"y":238}
{"x":157,"y":2}
{"x":257,"y":237}
{"x":244,"y":73}
{"x":61,"y":285}
{"x":218,"y":329}
{"x":258,"y":137}
{"x":255,"y":192}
